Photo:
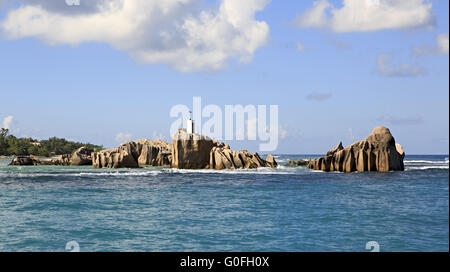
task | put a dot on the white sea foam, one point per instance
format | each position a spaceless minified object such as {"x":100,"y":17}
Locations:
{"x":257,"y":171}
{"x":427,"y":167}
{"x":425,"y":161}
{"x":81,"y":174}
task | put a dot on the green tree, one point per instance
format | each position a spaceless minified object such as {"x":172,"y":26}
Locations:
{"x":11,"y":145}
{"x":3,"y":141}
{"x":18,"y":146}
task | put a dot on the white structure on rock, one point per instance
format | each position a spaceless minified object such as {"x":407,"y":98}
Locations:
{"x":190,"y":124}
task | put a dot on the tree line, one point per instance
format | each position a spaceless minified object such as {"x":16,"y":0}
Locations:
{"x":11,"y":145}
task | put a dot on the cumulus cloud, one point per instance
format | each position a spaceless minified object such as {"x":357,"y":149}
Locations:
{"x":316,"y":96}
{"x":440,"y":48}
{"x":400,"y":120}
{"x":315,"y":16}
{"x":183,"y":34}
{"x":367,"y":15}
{"x":123,"y":137}
{"x":7,"y":122}
{"x":385,"y":67}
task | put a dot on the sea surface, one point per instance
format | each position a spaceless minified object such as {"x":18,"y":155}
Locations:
{"x":44,"y":208}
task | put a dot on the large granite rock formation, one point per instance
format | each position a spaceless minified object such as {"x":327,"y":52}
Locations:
{"x":61,"y":160}
{"x":195,"y":151}
{"x":132,"y":154}
{"x":190,"y":150}
{"x":118,"y":157}
{"x":225,"y":158}
{"x":155,"y":153}
{"x":81,"y":156}
{"x":377,"y":152}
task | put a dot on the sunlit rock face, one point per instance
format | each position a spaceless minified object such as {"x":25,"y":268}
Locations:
{"x":195,"y":151}
{"x":132,"y":154}
{"x":377,"y":152}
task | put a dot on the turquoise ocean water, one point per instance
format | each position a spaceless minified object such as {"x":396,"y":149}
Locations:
{"x":284,"y":209}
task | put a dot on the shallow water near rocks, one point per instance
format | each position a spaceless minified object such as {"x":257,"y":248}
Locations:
{"x":283,"y":209}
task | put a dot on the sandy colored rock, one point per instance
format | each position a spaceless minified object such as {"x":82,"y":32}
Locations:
{"x":299,"y":162}
{"x":270,"y":161}
{"x":155,"y":153}
{"x":81,"y":156}
{"x":132,"y":154}
{"x":377,"y":152}
{"x":60,"y":160}
{"x":195,"y":151}
{"x":191,"y":151}
{"x":119,"y":157}
{"x":400,"y":151}
{"x":225,"y":158}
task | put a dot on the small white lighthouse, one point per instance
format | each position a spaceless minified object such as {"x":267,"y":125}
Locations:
{"x":190,"y":124}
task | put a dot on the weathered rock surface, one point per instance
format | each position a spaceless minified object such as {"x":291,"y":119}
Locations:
{"x":191,"y":151}
{"x":24,"y":160}
{"x":81,"y":156}
{"x":195,"y":151}
{"x":132,"y":154}
{"x":400,"y":150}
{"x":119,"y":157}
{"x":270,"y":161}
{"x":299,"y":162}
{"x":61,"y":160}
{"x":187,"y":151}
{"x":377,"y":152}
{"x":225,"y":158}
{"x":155,"y":153}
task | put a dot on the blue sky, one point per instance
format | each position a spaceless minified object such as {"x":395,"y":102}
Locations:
{"x":332,"y":80}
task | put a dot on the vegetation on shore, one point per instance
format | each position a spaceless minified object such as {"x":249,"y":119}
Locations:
{"x":11,"y":145}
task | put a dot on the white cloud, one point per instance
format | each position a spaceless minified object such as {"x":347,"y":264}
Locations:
{"x":7,"y":122}
{"x":123,"y":137}
{"x":315,"y":16}
{"x":178,"y":33}
{"x":442,"y":41}
{"x":385,"y":67}
{"x":440,"y":48}
{"x":367,"y":15}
